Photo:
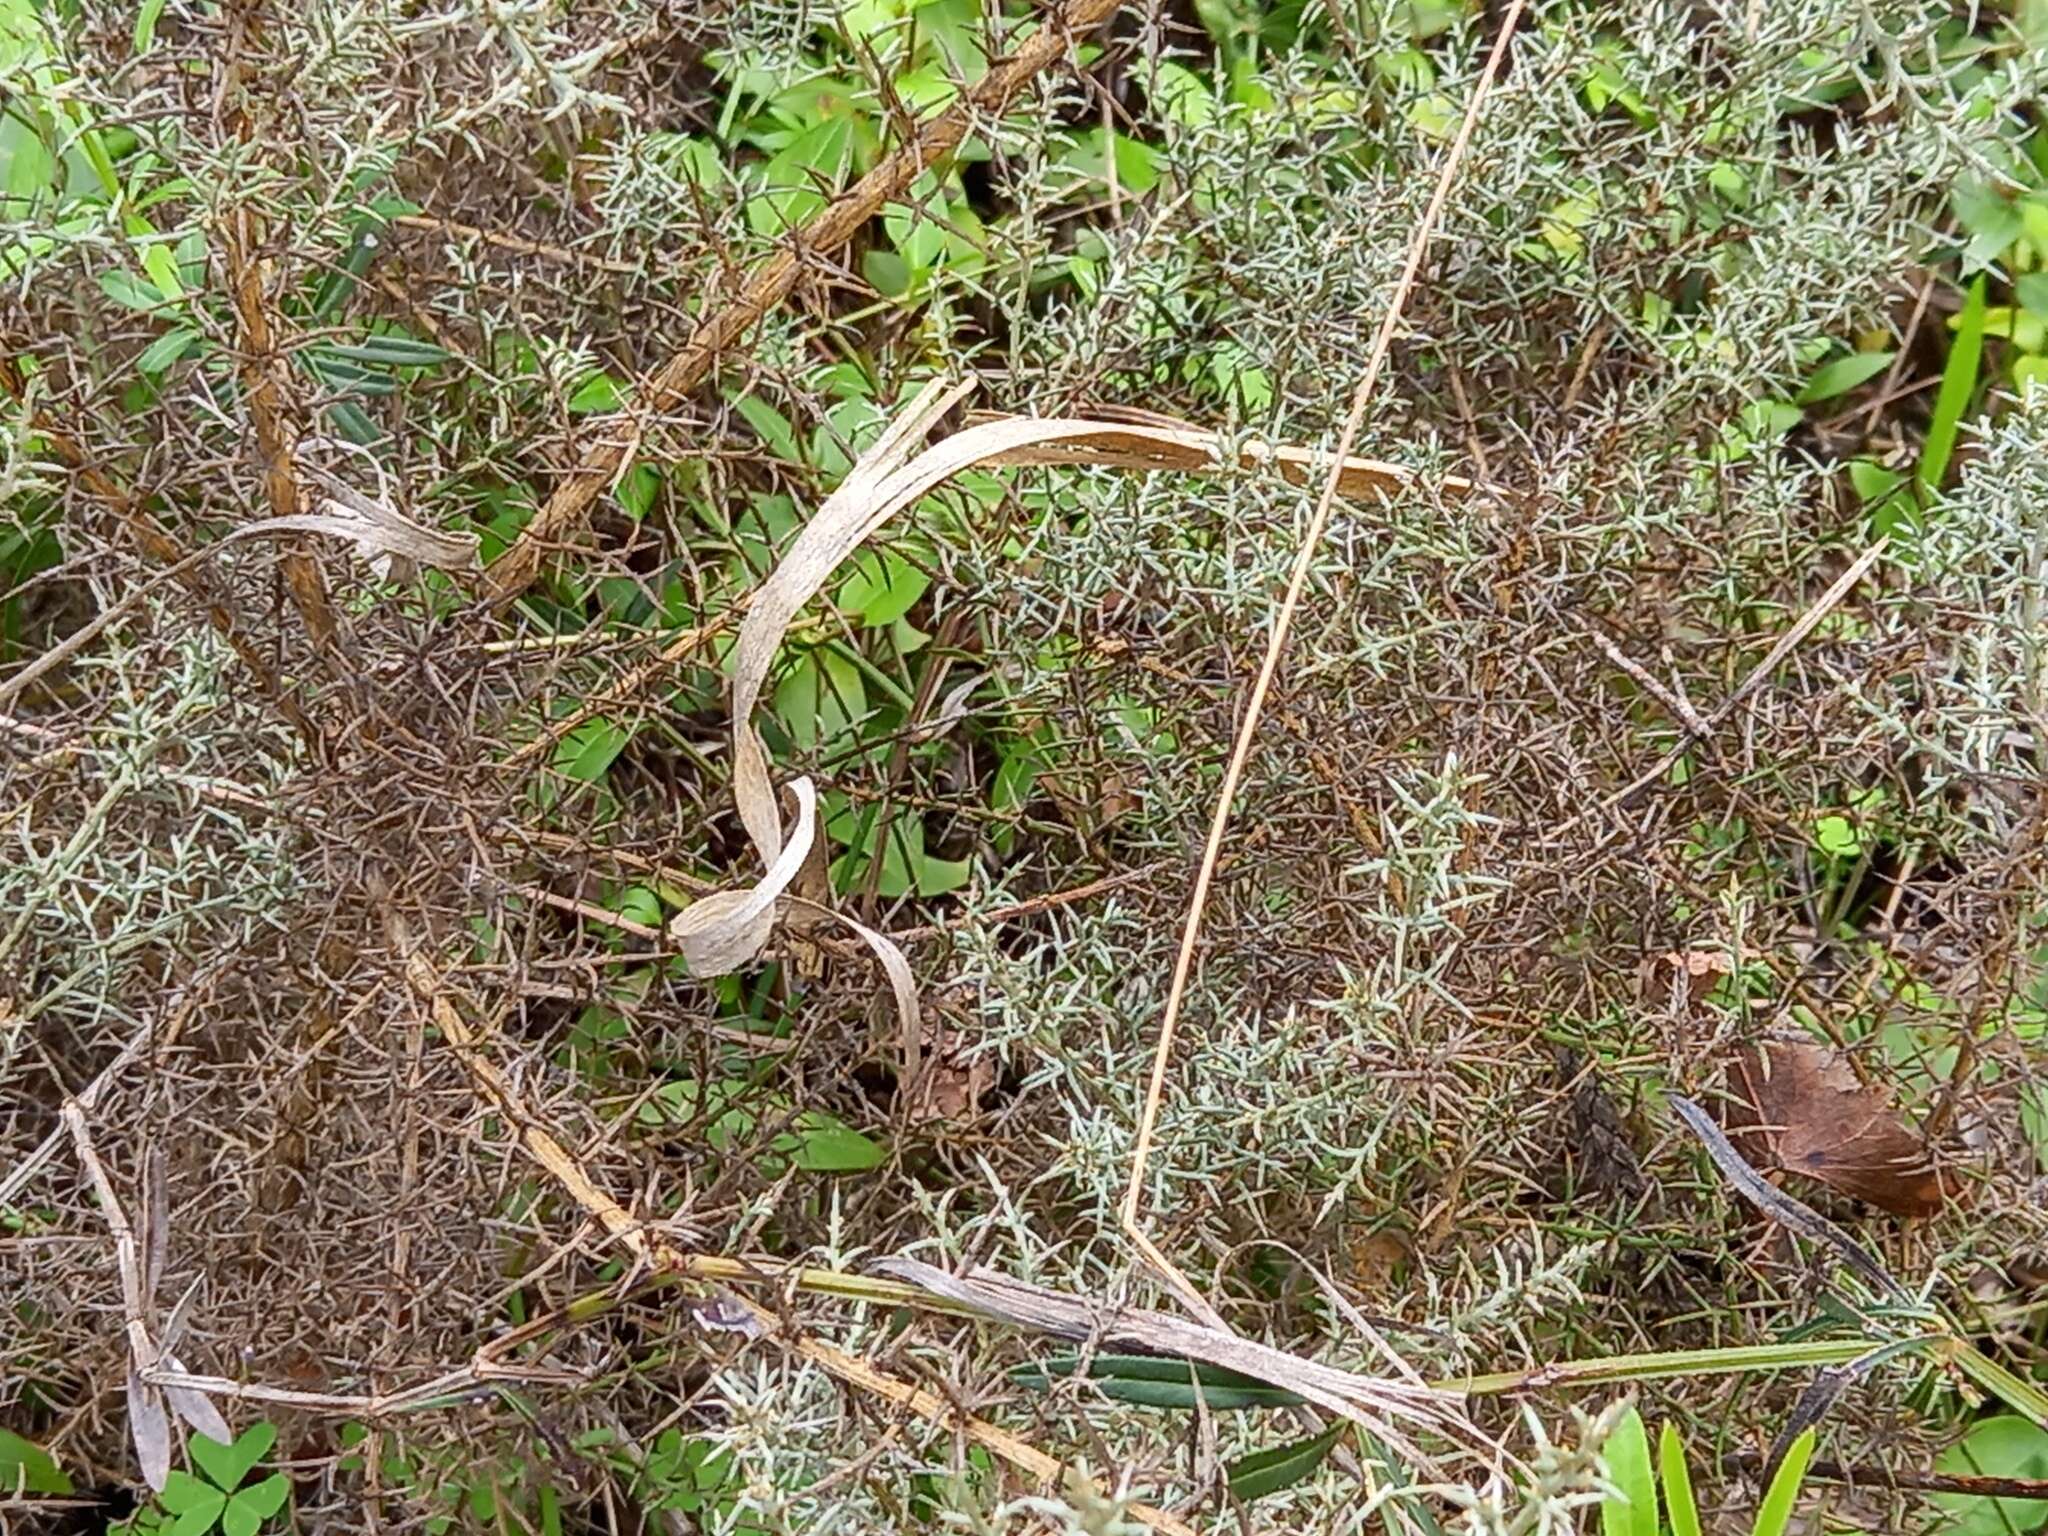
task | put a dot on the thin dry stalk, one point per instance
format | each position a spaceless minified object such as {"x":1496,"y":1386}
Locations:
{"x":1276,"y":646}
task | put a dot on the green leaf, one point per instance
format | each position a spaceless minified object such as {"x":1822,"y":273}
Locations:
{"x":826,"y":1145}
{"x":882,"y":588}
{"x":586,"y":752}
{"x":1679,"y":1506}
{"x":26,"y":1466}
{"x":1958,"y":384}
{"x":162,"y":266}
{"x":166,"y":350}
{"x":1836,"y":837}
{"x":197,"y":1505}
{"x":339,"y":283}
{"x":227,"y":1465}
{"x":1842,"y":375}
{"x":2005,"y":1445}
{"x":1155,"y":1382}
{"x":599,"y":392}
{"x":145,"y":25}
{"x":1776,"y":1511}
{"x":130,"y":291}
{"x":339,"y":374}
{"x":248,"y":1509}
{"x":355,"y":423}
{"x":636,"y":492}
{"x":386,"y":351}
{"x":1263,"y":1472}
{"x":1631,"y":1508}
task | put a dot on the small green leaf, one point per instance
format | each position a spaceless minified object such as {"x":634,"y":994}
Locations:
{"x":1836,"y":837}
{"x":1842,"y":375}
{"x":130,"y":291}
{"x":599,"y":392}
{"x":227,"y":1465}
{"x":166,"y":350}
{"x":826,"y":1145}
{"x":586,"y":752}
{"x":1263,"y":1472}
{"x":1776,"y":1511}
{"x":1958,"y":384}
{"x":1631,"y":1508}
{"x":355,"y":423}
{"x":638,"y":489}
{"x":248,"y":1509}
{"x":26,"y":1466}
{"x":1679,"y":1506}
{"x":386,"y":351}
{"x":162,"y":267}
{"x":197,"y":1505}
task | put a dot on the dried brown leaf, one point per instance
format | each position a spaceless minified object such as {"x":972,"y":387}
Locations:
{"x":1799,"y":1108}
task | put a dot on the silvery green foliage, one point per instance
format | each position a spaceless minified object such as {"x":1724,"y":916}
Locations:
{"x":1974,"y":717}
{"x":162,"y":854}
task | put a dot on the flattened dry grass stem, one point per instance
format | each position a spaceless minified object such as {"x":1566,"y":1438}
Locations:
{"x":1276,"y":646}
{"x":604,"y":461}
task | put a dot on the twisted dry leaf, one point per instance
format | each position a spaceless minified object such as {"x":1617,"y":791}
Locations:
{"x":887,"y":479}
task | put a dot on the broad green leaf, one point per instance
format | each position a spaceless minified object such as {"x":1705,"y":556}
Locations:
{"x":826,"y":1145}
{"x":26,"y":1466}
{"x":166,"y":350}
{"x":636,"y":492}
{"x":822,"y":698}
{"x":586,"y":752}
{"x":598,"y":392}
{"x":1958,"y":384}
{"x":1679,"y":1506}
{"x":1842,"y":375}
{"x":1775,"y":1513}
{"x":1631,"y":1508}
{"x":1180,"y":95}
{"x":638,"y":904}
{"x":227,"y":1465}
{"x":259,"y":1500}
{"x":2005,"y":1445}
{"x":881,"y":588}
{"x":1263,"y":1472}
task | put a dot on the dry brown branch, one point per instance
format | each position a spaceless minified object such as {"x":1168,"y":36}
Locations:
{"x":605,"y":460}
{"x":659,"y":1253}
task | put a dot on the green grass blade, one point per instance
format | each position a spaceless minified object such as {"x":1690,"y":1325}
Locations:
{"x":1631,"y":1510}
{"x":1263,"y":1472}
{"x":1776,"y":1511}
{"x":1680,"y":1509}
{"x":1958,"y":385}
